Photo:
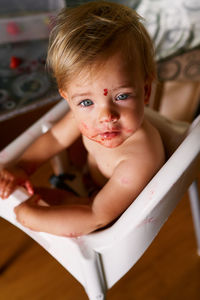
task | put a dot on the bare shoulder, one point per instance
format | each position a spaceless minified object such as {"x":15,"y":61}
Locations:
{"x":143,"y":156}
{"x":155,"y":146}
{"x":146,"y":149}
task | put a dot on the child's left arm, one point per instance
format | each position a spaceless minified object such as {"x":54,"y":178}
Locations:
{"x":127,"y":181}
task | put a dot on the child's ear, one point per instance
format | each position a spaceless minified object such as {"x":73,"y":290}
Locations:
{"x":63,"y":94}
{"x":147,"y":91}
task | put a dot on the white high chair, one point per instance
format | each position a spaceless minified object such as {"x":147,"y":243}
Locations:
{"x":98,"y":260}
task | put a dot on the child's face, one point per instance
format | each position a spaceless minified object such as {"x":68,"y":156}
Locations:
{"x":109,"y":106}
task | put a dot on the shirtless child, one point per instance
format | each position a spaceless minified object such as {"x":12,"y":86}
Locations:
{"x":102,"y":59}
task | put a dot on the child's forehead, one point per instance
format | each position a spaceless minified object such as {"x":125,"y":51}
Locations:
{"x":110,"y":75}
{"x":116,"y":62}
{"x":114,"y":67}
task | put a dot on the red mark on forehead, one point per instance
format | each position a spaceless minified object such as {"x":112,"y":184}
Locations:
{"x":105,"y":92}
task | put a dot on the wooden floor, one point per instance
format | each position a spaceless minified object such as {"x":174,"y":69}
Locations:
{"x":169,"y":270}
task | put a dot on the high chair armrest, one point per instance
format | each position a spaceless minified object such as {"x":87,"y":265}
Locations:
{"x":7,"y":212}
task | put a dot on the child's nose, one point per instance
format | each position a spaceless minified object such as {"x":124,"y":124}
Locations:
{"x":108,"y":115}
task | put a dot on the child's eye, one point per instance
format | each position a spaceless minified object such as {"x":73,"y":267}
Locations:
{"x":122,"y":97}
{"x":86,"y":102}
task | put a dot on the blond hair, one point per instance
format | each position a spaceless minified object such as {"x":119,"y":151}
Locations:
{"x":84,"y":35}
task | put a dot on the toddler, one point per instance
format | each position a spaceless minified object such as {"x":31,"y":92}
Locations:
{"x":102,"y":59}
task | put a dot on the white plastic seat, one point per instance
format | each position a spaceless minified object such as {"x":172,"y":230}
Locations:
{"x":98,"y":260}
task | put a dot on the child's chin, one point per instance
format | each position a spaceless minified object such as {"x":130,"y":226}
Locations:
{"x":110,"y":143}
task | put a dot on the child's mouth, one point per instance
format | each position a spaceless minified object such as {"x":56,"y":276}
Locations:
{"x":108,"y":135}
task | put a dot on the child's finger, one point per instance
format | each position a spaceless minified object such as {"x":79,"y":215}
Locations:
{"x":2,"y":186}
{"x":28,"y":185}
{"x":6,"y":176}
{"x":7,"y":189}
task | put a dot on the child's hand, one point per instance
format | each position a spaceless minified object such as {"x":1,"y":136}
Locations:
{"x":10,"y":178}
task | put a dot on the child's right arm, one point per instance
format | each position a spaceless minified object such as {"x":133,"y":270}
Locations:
{"x":59,"y":137}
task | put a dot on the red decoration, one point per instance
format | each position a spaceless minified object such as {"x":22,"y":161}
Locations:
{"x":105,"y":92}
{"x":12,"y":28}
{"x":15,"y":62}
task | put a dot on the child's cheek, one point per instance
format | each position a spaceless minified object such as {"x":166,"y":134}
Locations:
{"x":84,"y":126}
{"x":85,"y":130}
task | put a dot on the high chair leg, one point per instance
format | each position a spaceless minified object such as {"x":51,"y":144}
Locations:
{"x":95,"y":285}
{"x":195,"y":208}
